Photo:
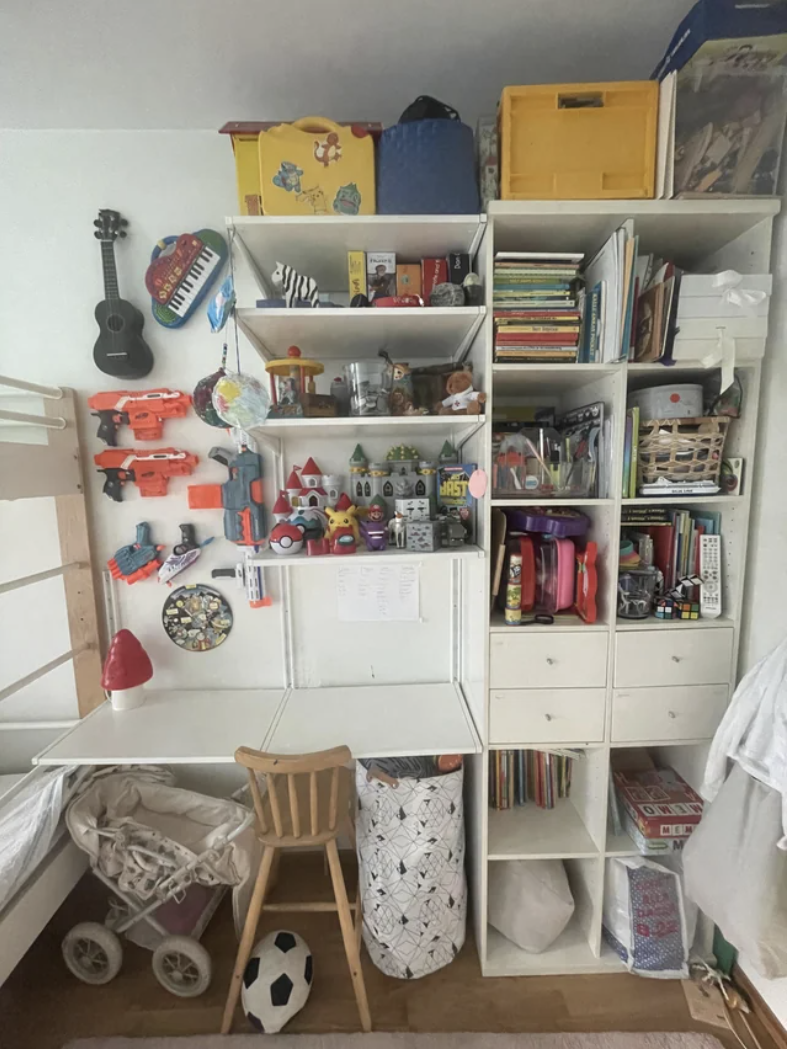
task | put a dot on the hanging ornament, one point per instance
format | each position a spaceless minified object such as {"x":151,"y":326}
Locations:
{"x":240,"y":400}
{"x":202,"y":394}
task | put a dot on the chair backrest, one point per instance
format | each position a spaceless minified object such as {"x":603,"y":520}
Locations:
{"x":311,"y":773}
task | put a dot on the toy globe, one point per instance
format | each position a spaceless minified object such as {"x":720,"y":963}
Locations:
{"x":277,"y":981}
{"x":240,"y":400}
{"x":292,"y":382}
{"x":201,"y":399}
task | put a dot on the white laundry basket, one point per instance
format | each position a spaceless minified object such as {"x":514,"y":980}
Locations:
{"x":410,"y":839}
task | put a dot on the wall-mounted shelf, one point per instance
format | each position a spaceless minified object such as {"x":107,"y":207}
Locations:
{"x":318,"y":245}
{"x":413,"y":334}
{"x":270,"y":559}
{"x":399,"y":427}
{"x":525,"y":378}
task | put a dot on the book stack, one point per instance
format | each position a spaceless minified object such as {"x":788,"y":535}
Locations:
{"x":659,"y":809}
{"x":536,"y":307}
{"x":519,"y":777}
{"x":675,"y":536}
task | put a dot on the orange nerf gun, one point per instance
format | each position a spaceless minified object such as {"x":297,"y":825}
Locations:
{"x":142,"y":410}
{"x":149,"y":469}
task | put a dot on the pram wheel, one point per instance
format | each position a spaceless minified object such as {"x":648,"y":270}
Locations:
{"x":182,"y":966}
{"x":92,"y":952}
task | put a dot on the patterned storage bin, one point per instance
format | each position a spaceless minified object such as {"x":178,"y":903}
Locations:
{"x":427,"y":167}
{"x":410,"y":840}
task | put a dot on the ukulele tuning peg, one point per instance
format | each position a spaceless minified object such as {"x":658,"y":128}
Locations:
{"x":97,"y":234}
{"x":122,"y":233}
{"x":124,"y":222}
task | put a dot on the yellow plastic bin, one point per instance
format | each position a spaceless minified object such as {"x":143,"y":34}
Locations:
{"x":578,"y":141}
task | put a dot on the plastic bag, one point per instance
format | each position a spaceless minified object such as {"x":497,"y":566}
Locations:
{"x":643,"y":917}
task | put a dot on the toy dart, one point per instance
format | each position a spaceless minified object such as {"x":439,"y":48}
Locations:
{"x":136,"y":560}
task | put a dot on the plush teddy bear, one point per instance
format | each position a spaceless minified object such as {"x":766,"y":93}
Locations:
{"x":462,"y":397}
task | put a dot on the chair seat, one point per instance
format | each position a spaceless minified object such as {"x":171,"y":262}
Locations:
{"x":301,"y":788}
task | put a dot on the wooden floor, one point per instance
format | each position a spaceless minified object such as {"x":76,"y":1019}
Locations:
{"x":42,"y":1005}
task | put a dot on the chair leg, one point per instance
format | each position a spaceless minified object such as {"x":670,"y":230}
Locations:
{"x":352,"y":834}
{"x":349,"y":935}
{"x":247,"y":937}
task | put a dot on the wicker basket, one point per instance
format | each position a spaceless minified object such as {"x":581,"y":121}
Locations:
{"x":681,"y":449}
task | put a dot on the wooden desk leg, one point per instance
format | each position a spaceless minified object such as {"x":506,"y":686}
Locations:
{"x":349,"y":935}
{"x":352,"y":834}
{"x":247,"y":937}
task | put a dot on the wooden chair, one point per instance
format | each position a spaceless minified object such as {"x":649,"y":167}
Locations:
{"x":306,"y":804}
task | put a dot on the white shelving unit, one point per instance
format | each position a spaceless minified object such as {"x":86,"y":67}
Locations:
{"x":683,"y":685}
{"x":460,"y":680}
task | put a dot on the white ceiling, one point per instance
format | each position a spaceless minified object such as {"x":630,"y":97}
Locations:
{"x":198,"y":63}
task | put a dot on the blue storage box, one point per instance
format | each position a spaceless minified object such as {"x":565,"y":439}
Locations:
{"x":427,"y":167}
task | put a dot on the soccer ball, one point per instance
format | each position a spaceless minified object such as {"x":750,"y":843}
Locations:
{"x":277,"y":981}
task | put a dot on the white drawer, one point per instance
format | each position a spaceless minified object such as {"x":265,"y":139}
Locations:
{"x":677,"y":713}
{"x":545,"y":660}
{"x":548,"y":716}
{"x":673,"y":656}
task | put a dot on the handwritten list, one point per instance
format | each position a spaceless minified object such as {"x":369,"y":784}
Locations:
{"x":378,"y":593}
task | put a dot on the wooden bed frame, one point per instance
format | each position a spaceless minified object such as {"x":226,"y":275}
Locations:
{"x":29,"y":471}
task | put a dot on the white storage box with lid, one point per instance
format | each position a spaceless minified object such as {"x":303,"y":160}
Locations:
{"x":713,"y":308}
{"x":668,"y":401}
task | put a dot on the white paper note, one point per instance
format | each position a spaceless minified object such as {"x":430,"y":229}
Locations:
{"x":378,"y":593}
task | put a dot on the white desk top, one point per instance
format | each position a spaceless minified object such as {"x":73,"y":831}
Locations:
{"x":376,"y":721}
{"x":170,"y":727}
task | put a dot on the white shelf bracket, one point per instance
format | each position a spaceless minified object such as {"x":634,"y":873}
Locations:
{"x":463,"y":350}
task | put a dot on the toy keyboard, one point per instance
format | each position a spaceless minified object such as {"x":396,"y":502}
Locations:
{"x":181,"y":272}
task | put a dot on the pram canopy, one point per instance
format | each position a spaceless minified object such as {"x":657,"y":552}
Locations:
{"x":138,"y":830}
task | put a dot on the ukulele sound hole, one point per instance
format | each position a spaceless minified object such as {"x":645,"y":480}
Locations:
{"x":115,"y":323}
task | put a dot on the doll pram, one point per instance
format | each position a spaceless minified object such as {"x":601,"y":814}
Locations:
{"x":168,"y":855}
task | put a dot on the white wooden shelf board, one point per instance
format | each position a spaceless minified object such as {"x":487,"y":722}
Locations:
{"x":176,"y":727}
{"x":622,"y":845}
{"x":549,"y":377}
{"x":318,"y":245}
{"x":676,"y":501}
{"x":268,"y":557}
{"x":515,"y":501}
{"x":562,"y":622}
{"x":346,"y":334}
{"x":570,"y":953}
{"x":529,"y":831}
{"x":376,"y":720}
{"x":375,"y":426}
{"x":654,"y":624}
{"x":682,"y":230}
{"x":637,"y":368}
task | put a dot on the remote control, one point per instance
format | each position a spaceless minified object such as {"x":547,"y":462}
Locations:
{"x":710,"y":573}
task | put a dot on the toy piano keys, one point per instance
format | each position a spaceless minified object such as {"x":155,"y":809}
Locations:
{"x":181,"y":271}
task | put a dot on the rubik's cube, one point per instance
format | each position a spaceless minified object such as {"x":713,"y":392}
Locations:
{"x":665,"y":609}
{"x":687,"y":610}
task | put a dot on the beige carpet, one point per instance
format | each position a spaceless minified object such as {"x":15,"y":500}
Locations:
{"x":595,"y":1041}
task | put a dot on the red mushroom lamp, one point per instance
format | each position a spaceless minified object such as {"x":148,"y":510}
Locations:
{"x":126,"y":669}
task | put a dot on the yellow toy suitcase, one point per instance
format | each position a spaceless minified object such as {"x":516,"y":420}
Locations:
{"x":316,"y":167}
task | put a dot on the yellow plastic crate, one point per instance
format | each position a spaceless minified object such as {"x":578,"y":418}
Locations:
{"x":578,"y":141}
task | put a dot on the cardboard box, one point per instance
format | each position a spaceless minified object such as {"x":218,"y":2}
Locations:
{"x":660,"y":802}
{"x":408,"y":279}
{"x":434,"y":271}
{"x":382,"y":280}
{"x":458,"y":266}
{"x":357,"y":274}
{"x":651,"y":847}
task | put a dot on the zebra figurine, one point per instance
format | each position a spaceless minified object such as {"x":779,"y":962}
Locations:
{"x":294,"y":286}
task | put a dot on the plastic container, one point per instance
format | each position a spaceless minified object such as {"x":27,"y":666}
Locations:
{"x":578,"y":141}
{"x":368,"y":388}
{"x":636,"y":592}
{"x":668,"y":401}
{"x":427,"y":167}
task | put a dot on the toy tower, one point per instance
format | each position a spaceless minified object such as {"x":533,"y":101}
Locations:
{"x":293,"y":487}
{"x":281,"y":511}
{"x":358,"y":468}
{"x":312,"y":493}
{"x":333,"y":486}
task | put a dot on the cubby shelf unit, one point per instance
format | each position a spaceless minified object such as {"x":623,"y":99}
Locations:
{"x":638,"y":683}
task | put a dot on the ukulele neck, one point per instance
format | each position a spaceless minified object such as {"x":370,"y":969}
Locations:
{"x":110,"y":273}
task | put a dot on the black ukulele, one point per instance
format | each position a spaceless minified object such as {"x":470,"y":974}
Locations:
{"x":120,"y":350}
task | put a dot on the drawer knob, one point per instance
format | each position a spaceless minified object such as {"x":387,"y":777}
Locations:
{"x":675,"y":659}
{"x":549,"y":661}
{"x":547,"y":717}
{"x":671,"y":714}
